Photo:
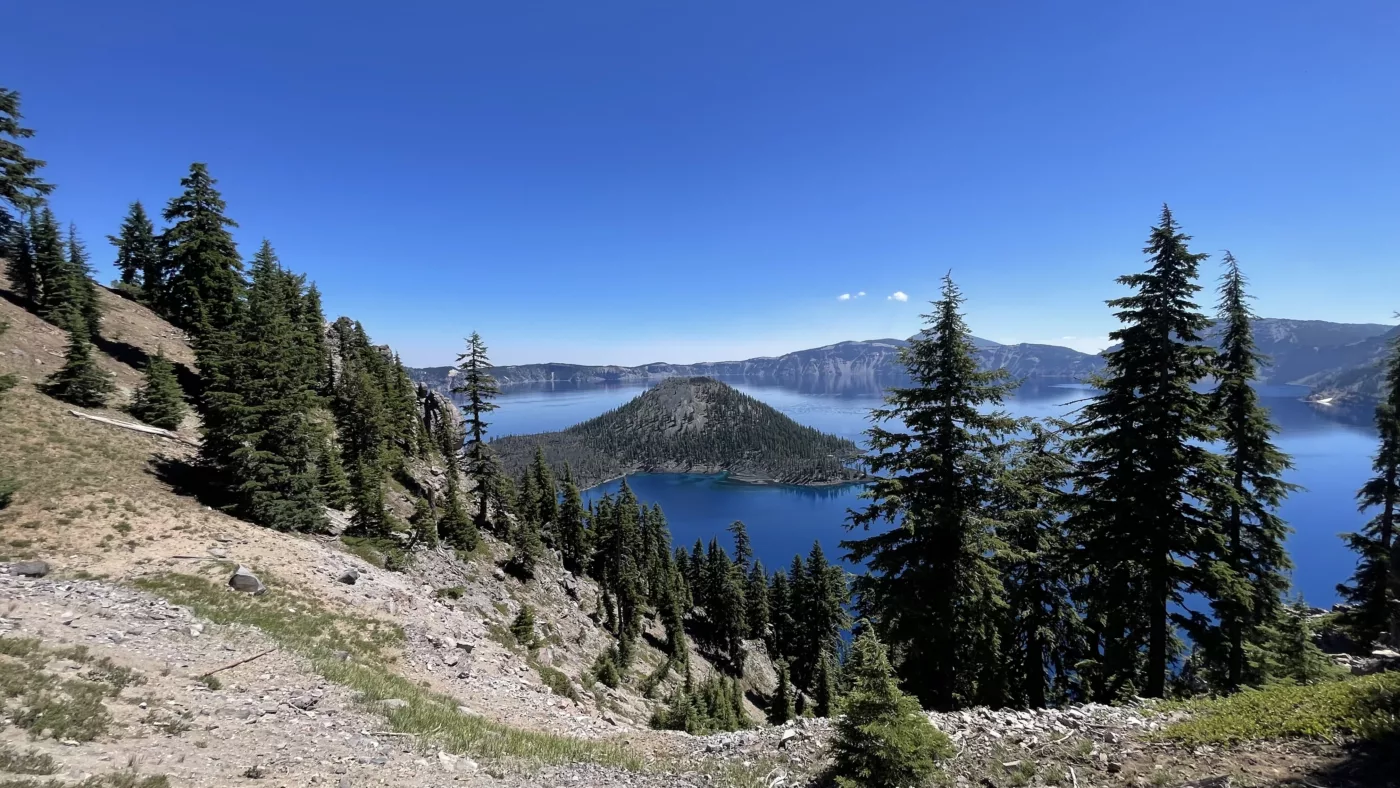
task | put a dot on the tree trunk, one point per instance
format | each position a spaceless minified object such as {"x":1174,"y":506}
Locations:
{"x":1157,"y":633}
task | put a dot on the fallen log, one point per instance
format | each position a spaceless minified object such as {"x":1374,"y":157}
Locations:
{"x":127,"y":425}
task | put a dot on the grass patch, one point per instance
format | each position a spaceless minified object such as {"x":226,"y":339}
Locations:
{"x":1366,"y":707}
{"x":383,"y":553}
{"x":116,"y":780}
{"x":300,"y":625}
{"x":555,"y":679}
{"x":28,"y":762}
{"x":451,"y":592}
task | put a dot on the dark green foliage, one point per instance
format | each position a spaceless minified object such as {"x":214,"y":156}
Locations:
{"x":159,"y":402}
{"x":65,"y":294}
{"x":259,"y":406}
{"x":782,"y":637}
{"x":204,"y":287}
{"x":569,"y":529}
{"x":479,"y":388}
{"x":423,"y":524}
{"x":1374,"y":591}
{"x":78,"y":288}
{"x":334,"y":484}
{"x":824,"y":696}
{"x":934,"y":591}
{"x":606,"y":670}
{"x":523,"y":627}
{"x":80,"y":382}
{"x":454,"y":526}
{"x":756,"y":602}
{"x":526,"y":548}
{"x":726,"y":430}
{"x":722,"y":594}
{"x":780,"y":705}
{"x":21,"y":266}
{"x":546,"y":506}
{"x":884,"y":740}
{"x":1247,"y":572}
{"x":1145,"y":471}
{"x":1288,"y":651}
{"x":21,"y":188}
{"x":140,"y":258}
{"x":673,"y":608}
{"x":717,"y":705}
{"x":819,"y":598}
{"x":1041,"y":636}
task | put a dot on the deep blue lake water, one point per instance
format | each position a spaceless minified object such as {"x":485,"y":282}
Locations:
{"x":1331,"y":457}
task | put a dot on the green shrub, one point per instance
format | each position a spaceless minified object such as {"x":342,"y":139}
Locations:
{"x":1367,"y":707}
{"x":718,"y":705}
{"x":523,"y":627}
{"x":885,"y":740}
{"x":605,"y":669}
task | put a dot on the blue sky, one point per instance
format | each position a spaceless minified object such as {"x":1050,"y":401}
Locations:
{"x":625,"y":182}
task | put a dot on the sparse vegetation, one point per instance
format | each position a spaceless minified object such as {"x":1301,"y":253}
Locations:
{"x":1366,"y":707}
{"x":27,"y":762}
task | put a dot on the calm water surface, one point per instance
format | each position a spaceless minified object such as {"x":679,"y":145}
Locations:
{"x":1331,"y":457}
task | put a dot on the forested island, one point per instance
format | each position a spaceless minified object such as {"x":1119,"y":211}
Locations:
{"x":690,"y":425}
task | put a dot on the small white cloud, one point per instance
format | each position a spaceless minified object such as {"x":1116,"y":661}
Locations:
{"x":898,"y":295}
{"x":844,"y":297}
{"x":861,"y":293}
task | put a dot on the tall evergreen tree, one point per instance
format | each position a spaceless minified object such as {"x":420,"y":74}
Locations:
{"x":756,"y":614}
{"x":780,"y":614}
{"x":933,"y":591}
{"x":547,"y":502}
{"x":743,"y":548}
{"x":58,"y":301}
{"x":21,"y":189}
{"x":724,"y":607}
{"x":1249,"y":574}
{"x":80,"y":381}
{"x":780,"y":707}
{"x":335,"y":486}
{"x":824,"y":696}
{"x":81,"y":289}
{"x":455,"y":526}
{"x":205,"y":284}
{"x":21,"y":265}
{"x":819,"y":613}
{"x":1041,"y":637}
{"x":1146,"y":473}
{"x":571,"y":534}
{"x":477,"y":385}
{"x":139,"y":258}
{"x":1372,"y":592}
{"x":159,"y":402}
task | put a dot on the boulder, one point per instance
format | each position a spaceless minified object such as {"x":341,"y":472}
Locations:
{"x":244,"y":580}
{"x":29,"y":568}
{"x":349,"y":577}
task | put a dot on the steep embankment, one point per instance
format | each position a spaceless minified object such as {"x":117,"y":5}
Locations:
{"x":690,"y":425}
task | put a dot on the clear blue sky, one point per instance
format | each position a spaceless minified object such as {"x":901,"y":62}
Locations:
{"x":624,"y":182}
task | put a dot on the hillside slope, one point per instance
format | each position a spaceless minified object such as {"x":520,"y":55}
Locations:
{"x":690,"y":425}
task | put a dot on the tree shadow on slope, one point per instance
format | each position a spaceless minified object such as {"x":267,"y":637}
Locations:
{"x":190,"y":479}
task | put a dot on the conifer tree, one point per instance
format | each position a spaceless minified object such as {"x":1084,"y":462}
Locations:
{"x":368,"y":517}
{"x":824,"y":686}
{"x":625,"y":577}
{"x":57,"y":300}
{"x":780,"y":707}
{"x":819,"y":611}
{"x":21,"y":188}
{"x":933,"y":590}
{"x":1290,"y":653}
{"x":477,"y":385}
{"x":571,"y":533}
{"x":274,"y":462}
{"x":1041,"y":636}
{"x":455,"y":527}
{"x":159,"y":402}
{"x":84,"y":290}
{"x":1146,"y":472}
{"x":547,"y":492}
{"x":655,"y":556}
{"x":884,"y":740}
{"x":743,"y":547}
{"x":673,"y":618}
{"x":21,"y":266}
{"x":1372,"y":594}
{"x":724,"y":607}
{"x":335,"y":486}
{"x":80,"y":381}
{"x":780,"y":614}
{"x":756,"y":602}
{"x":139,"y":258}
{"x":527,"y":498}
{"x":523,"y":627}
{"x":1249,"y":574}
{"x":205,"y":285}
{"x":423,"y":523}
{"x":526,"y":547}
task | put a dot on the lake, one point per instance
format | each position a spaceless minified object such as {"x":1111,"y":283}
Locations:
{"x":1331,"y":455}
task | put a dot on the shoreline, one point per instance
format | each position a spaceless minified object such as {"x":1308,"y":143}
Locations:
{"x":730,"y":476}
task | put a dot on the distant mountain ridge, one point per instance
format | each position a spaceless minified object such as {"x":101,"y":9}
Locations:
{"x":1338,"y":362}
{"x":689,"y":425}
{"x":869,"y":359}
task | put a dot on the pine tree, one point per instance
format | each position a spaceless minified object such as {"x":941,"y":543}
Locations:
{"x":205,"y":284}
{"x":423,"y":523}
{"x":1041,"y":636}
{"x":479,"y":388}
{"x":819,"y":611}
{"x":933,"y":590}
{"x":655,"y":556}
{"x":824,"y":686}
{"x":1146,"y":471}
{"x":724,"y":607}
{"x":139,"y":258}
{"x":80,"y":381}
{"x":780,"y":613}
{"x":780,"y":707}
{"x":526,"y":548}
{"x":625,"y":577}
{"x":547,"y":492}
{"x":1290,"y":653}
{"x":335,"y":486}
{"x":88,"y":308}
{"x":21,"y":188}
{"x":1249,"y":574}
{"x":743,"y":547}
{"x":523,"y":627}
{"x":455,"y":527}
{"x":527,"y":498}
{"x":58,"y":300}
{"x":756,"y":602}
{"x":884,"y":740}
{"x":673,"y":618}
{"x":22,"y":267}
{"x":1373,"y":605}
{"x":571,"y":533}
{"x":159,"y":402}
